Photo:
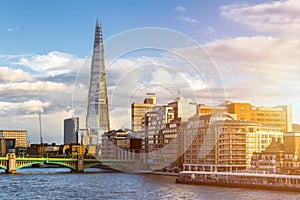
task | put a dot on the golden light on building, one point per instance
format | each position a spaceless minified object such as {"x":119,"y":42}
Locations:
{"x":138,"y":111}
{"x":227,"y":144}
{"x":279,"y":116}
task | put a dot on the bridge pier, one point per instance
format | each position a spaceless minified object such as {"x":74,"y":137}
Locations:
{"x":11,"y":164}
{"x":80,"y":164}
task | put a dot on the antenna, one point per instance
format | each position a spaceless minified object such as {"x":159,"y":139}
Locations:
{"x":41,"y":136}
{"x":178,"y":93}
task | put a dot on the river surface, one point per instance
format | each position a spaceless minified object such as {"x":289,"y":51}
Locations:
{"x":60,"y":183}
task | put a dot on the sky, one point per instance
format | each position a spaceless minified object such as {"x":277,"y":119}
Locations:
{"x":209,"y":51}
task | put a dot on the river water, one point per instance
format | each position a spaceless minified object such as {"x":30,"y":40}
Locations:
{"x":60,"y":183}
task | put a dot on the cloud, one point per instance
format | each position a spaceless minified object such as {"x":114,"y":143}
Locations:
{"x":11,"y":75}
{"x":48,"y":78}
{"x":129,"y":79}
{"x":31,"y":106}
{"x":6,"y":59}
{"x":10,"y":29}
{"x":262,"y":69}
{"x":180,"y":9}
{"x":42,"y":83}
{"x":277,"y":17}
{"x":30,"y":87}
{"x":183,"y":17}
{"x":54,"y":63}
{"x":187,"y":19}
{"x":268,"y":60}
{"x":52,"y":125}
{"x":271,"y":60}
{"x":24,"y":84}
{"x":209,"y":30}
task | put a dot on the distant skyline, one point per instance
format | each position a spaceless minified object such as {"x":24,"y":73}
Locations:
{"x":254,"y":44}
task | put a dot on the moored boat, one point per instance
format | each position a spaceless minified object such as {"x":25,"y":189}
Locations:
{"x":241,"y":179}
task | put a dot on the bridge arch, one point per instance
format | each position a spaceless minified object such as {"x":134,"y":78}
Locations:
{"x":26,"y":164}
{"x":3,"y":163}
{"x":3,"y":167}
{"x":71,"y":166}
{"x":91,"y":165}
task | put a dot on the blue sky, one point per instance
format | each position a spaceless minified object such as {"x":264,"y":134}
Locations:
{"x":254,"y":46}
{"x":42,"y":26}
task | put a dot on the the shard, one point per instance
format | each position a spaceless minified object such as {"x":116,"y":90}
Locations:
{"x":97,"y":117}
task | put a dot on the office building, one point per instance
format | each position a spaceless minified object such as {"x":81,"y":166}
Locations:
{"x":138,"y":111}
{"x":11,"y":139}
{"x":71,"y":127}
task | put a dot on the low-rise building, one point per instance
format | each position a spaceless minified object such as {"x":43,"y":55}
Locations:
{"x":279,"y":157}
{"x":36,"y":150}
{"x":52,"y":150}
{"x":72,"y":150}
{"x":120,"y":145}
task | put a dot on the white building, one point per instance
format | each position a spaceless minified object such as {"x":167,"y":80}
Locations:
{"x":162,"y":126}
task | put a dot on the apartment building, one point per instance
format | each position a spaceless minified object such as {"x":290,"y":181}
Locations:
{"x":220,"y":142}
{"x":279,"y":116}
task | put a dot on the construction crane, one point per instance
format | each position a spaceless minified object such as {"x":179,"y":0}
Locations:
{"x":41,"y":136}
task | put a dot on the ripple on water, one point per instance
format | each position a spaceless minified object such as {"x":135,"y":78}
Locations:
{"x":59,"y":183}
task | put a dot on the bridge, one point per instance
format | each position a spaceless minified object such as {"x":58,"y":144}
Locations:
{"x":11,"y":163}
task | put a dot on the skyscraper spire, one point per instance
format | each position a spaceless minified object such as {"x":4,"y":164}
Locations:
{"x":97,"y":118}
{"x":98,"y":35}
{"x":97,"y":24}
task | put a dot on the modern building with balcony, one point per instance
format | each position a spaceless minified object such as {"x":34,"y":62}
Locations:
{"x":153,"y":123}
{"x":219,"y":142}
{"x":280,"y":116}
{"x":163,"y":127}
